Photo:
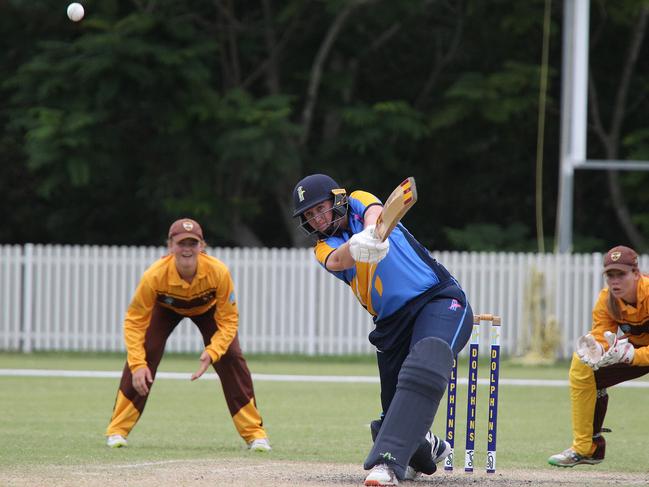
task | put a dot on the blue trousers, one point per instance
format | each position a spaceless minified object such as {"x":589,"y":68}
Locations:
{"x":447,"y":316}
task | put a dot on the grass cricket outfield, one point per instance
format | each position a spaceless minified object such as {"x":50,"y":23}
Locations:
{"x":51,"y":428}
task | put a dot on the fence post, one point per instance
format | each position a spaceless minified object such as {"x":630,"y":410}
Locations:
{"x":311,"y":308}
{"x":27,"y":293}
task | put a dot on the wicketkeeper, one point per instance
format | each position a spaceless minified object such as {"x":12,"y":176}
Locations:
{"x":422,"y":320}
{"x":616,"y":350}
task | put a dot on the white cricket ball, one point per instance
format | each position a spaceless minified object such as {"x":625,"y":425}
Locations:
{"x":75,"y":11}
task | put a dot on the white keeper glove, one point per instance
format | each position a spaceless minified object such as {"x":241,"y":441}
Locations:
{"x":589,"y":351}
{"x":619,"y":352}
{"x":364,"y":247}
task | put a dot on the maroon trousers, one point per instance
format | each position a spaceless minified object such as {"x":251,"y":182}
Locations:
{"x":608,"y":377}
{"x":231,"y":368}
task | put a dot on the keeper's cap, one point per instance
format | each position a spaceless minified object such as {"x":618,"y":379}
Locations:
{"x":621,"y":258}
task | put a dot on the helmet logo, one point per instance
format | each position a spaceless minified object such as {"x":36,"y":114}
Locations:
{"x":300,"y":193}
{"x":615,"y":256}
{"x":188,"y":226}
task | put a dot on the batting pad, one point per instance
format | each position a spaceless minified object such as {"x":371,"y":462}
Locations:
{"x":422,"y":383}
{"x":421,"y":460}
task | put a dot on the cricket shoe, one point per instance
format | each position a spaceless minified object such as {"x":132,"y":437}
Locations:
{"x":439,"y":448}
{"x":411,"y":474}
{"x":570,"y":458}
{"x":116,"y":441}
{"x":381,"y":475}
{"x":260,"y":444}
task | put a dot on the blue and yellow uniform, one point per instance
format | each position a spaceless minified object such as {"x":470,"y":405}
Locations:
{"x":421,"y":315}
{"x":409,"y":294}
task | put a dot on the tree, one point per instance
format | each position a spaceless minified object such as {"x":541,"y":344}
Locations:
{"x":146,"y":111}
{"x":626,"y":99}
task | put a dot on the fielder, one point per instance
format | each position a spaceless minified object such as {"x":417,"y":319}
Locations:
{"x":615,"y":350}
{"x":185,"y":283}
{"x":422,"y":320}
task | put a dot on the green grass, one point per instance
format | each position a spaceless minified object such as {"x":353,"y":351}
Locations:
{"x":62,"y":420}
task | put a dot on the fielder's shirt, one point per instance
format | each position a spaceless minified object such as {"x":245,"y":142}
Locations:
{"x":161,"y":285}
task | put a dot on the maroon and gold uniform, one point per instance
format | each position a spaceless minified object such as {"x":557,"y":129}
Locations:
{"x":587,"y":387}
{"x":161,"y":301}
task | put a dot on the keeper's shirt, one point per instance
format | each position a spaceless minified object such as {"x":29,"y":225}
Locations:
{"x":161,"y":285}
{"x":634,"y":322}
{"x":383,"y":288}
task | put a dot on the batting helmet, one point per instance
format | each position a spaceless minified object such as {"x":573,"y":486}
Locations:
{"x":315,"y":189}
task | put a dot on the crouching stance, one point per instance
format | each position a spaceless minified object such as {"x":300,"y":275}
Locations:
{"x":185,"y":283}
{"x":616,"y":350}
{"x":421,"y":315}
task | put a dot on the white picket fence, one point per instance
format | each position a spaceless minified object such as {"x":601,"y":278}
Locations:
{"x":73,"y":298}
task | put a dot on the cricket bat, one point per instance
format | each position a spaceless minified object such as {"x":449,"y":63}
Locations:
{"x":397,"y":204}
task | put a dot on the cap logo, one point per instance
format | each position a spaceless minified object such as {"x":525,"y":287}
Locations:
{"x":300,"y":193}
{"x":188,"y":226}
{"x":615,"y":256}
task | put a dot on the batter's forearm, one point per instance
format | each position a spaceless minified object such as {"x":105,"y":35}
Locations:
{"x":371,"y":215}
{"x":340,"y":259}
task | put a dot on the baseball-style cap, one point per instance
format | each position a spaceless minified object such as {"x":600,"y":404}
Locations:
{"x":621,"y":258}
{"x":186,"y":228}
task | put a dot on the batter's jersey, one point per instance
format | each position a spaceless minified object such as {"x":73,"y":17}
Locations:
{"x":161,"y":285}
{"x":383,"y":288}
{"x":634,"y":321}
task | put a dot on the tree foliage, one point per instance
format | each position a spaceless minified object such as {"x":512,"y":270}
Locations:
{"x":149,"y":110}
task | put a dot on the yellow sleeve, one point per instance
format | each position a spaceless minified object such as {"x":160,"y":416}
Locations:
{"x":322,"y":250}
{"x":226,"y":316}
{"x":365,"y":198}
{"x":602,"y":320}
{"x":138,"y":318}
{"x":641,"y":356}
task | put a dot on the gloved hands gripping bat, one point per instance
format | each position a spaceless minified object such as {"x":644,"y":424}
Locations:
{"x":371,"y":245}
{"x":365,"y":247}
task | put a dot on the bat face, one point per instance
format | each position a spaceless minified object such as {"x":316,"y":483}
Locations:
{"x":397,"y":204}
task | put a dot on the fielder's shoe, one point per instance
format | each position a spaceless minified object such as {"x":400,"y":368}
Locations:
{"x":260,"y":444}
{"x":116,"y":441}
{"x":381,"y":475}
{"x":570,"y":458}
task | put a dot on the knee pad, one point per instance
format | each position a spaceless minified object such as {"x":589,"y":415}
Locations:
{"x":427,"y":367}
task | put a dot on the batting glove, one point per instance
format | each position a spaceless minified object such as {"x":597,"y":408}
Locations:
{"x":364,"y":247}
{"x":589,"y":351}
{"x":620,"y":351}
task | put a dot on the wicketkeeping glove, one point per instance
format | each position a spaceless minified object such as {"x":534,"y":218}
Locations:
{"x":619,"y":352}
{"x":364,"y":247}
{"x":589,"y":351}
